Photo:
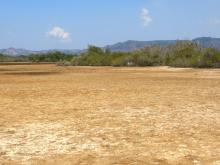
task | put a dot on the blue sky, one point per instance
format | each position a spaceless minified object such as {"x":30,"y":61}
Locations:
{"x":73,"y":24}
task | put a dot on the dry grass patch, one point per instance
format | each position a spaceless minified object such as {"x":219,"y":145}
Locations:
{"x":105,"y":115}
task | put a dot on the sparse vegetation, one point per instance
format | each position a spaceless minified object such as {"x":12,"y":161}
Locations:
{"x":50,"y":57}
{"x":5,"y":58}
{"x":181,"y":54}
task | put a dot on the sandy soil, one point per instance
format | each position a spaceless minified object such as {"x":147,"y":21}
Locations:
{"x":103,"y":115}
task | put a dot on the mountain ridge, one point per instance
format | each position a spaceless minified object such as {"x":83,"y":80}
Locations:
{"x":126,"y":46}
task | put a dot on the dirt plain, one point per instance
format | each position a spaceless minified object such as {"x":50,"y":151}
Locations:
{"x":103,"y":115}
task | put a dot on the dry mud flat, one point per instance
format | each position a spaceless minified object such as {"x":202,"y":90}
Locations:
{"x":103,"y":115}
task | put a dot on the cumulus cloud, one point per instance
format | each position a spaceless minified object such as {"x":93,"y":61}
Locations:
{"x":145,"y":17}
{"x":59,"y":33}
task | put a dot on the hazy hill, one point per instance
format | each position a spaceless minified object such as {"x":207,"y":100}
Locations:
{"x":65,"y":51}
{"x":208,"y":42}
{"x":127,"y":46}
{"x":25,"y":52}
{"x":16,"y":52}
{"x":132,"y":45}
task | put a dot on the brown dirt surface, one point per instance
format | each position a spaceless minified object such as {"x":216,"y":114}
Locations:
{"x":104,"y":115}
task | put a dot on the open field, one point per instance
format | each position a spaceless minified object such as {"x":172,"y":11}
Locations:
{"x":104,"y":115}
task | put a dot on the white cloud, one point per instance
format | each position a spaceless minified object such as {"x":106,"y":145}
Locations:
{"x":59,"y":33}
{"x":145,"y":17}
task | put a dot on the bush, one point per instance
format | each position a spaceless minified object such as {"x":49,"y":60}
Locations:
{"x":181,"y":54}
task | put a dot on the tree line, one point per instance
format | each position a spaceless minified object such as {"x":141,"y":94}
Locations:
{"x":181,"y":54}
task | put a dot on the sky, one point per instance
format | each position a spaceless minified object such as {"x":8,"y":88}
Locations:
{"x":75,"y":24}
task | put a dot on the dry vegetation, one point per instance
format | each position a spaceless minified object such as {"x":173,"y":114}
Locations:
{"x":104,"y":115}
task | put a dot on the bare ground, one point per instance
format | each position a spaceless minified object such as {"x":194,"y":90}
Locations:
{"x":103,"y":115}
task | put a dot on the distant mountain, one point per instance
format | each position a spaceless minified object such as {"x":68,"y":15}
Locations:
{"x":208,"y":42}
{"x":127,"y":46}
{"x":131,"y":45}
{"x":18,"y":52}
{"x":65,"y":51}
